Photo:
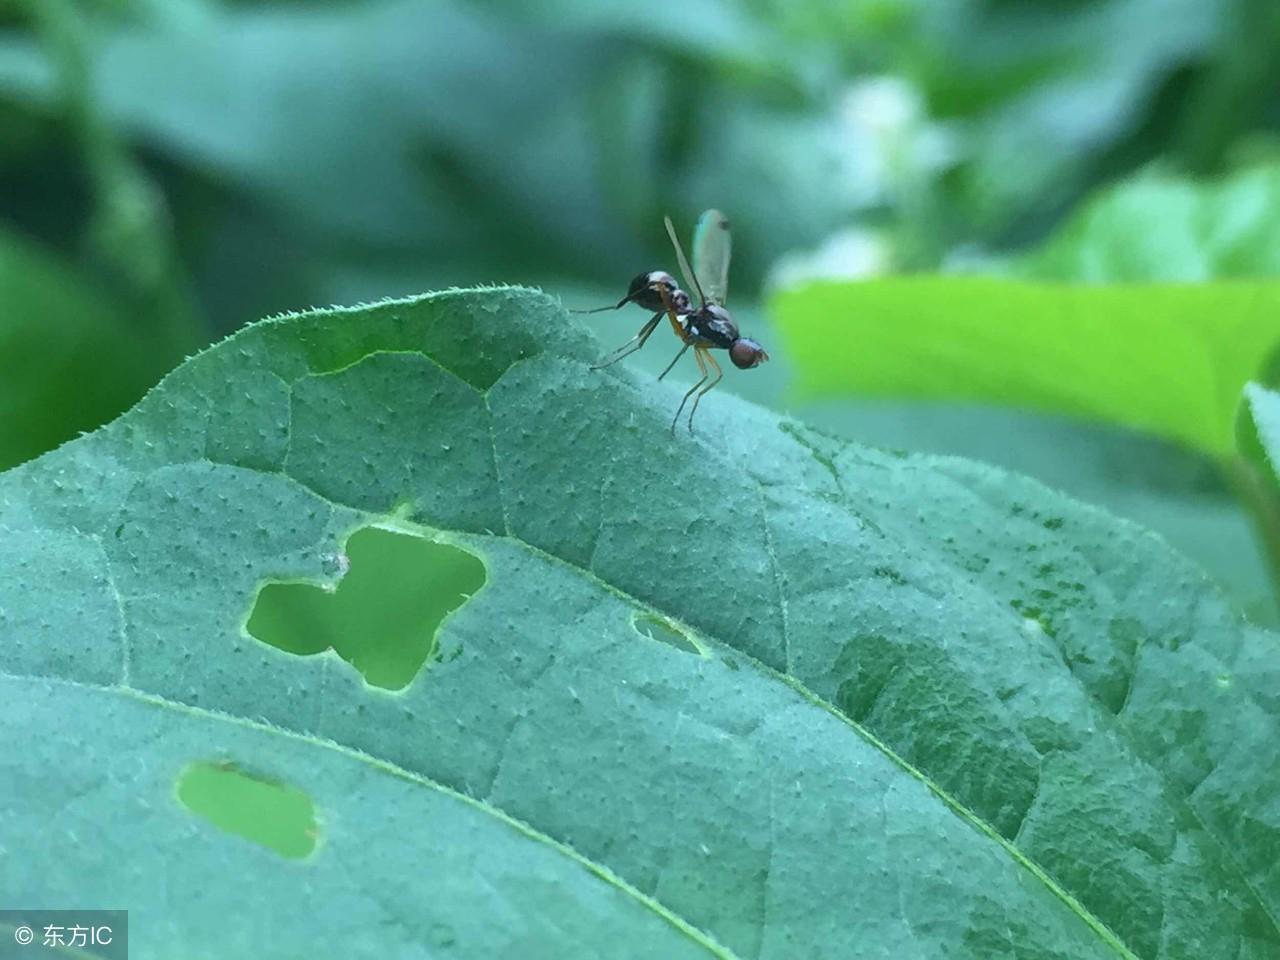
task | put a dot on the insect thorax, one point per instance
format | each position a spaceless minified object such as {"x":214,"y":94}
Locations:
{"x":713,"y":325}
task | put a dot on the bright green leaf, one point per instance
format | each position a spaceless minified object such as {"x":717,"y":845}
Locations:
{"x":755,"y":693}
{"x":1169,"y":359}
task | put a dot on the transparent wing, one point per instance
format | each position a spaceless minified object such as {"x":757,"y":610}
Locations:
{"x":711,"y":250}
{"x":690,"y":278}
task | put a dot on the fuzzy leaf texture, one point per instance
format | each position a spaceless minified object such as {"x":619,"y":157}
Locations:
{"x":758,"y":693}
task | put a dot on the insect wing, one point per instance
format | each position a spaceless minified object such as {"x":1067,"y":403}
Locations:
{"x":690,"y":278}
{"x":711,"y":250}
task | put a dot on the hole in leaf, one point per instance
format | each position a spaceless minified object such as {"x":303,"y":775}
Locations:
{"x":385,"y":613}
{"x":275,"y":815}
{"x":655,"y":628}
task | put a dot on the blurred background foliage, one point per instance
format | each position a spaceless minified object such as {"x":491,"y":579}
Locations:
{"x":172,"y":169}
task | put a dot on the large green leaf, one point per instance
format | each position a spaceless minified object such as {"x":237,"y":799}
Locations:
{"x":751,"y":693}
{"x":1171,"y":359}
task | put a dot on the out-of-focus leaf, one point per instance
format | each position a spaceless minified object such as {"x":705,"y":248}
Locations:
{"x":816,"y":700}
{"x":1259,"y":427}
{"x":1053,"y":86}
{"x":445,"y":128}
{"x":70,"y":357}
{"x":416,"y":99}
{"x":452,"y":136}
{"x":1168,"y":359}
{"x":1162,"y":228}
{"x":727,"y":32}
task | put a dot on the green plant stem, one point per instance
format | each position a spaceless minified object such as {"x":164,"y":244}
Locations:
{"x":129,"y":232}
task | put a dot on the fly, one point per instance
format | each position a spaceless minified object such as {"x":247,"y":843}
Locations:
{"x":707,"y":327}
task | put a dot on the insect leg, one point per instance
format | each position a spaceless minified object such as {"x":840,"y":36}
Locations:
{"x":701,"y":393}
{"x":699,"y":353}
{"x":673,"y":362}
{"x":634,"y":344}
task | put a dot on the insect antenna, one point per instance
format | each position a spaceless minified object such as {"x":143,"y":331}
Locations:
{"x":617,"y":306}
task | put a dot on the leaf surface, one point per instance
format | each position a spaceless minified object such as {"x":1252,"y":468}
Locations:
{"x":757,"y":693}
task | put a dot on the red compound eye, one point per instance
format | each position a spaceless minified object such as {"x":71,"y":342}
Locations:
{"x":746,"y":353}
